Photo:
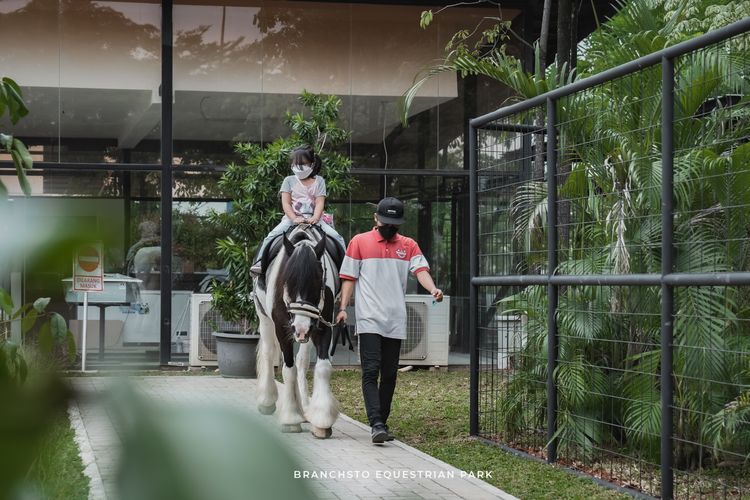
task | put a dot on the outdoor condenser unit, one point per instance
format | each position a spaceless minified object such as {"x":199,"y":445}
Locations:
{"x":203,"y":322}
{"x":511,"y":339}
{"x":427,"y":331}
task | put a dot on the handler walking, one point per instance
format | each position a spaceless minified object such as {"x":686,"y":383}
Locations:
{"x":378,"y":262}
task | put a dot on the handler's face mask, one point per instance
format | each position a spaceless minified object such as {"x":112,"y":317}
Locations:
{"x":387,"y":231}
{"x":302,"y":171}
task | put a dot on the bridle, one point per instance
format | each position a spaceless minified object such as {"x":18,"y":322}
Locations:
{"x":305,"y":308}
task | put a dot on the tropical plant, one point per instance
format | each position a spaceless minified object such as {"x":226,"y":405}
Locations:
{"x":609,"y":144}
{"x":11,"y":101}
{"x":253,"y":187}
{"x":470,"y":52}
{"x":52,"y":334}
{"x":609,"y":355}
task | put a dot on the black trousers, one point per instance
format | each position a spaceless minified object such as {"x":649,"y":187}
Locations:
{"x":379,"y":356}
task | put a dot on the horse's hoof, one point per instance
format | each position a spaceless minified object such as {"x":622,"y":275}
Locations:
{"x":291,"y":428}
{"x":321,"y":433}
{"x":267,"y":409}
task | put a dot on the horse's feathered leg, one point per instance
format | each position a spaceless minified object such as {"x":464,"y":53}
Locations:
{"x":323,"y":409}
{"x":267,"y":393}
{"x":290,"y":412}
{"x":303,"y":364}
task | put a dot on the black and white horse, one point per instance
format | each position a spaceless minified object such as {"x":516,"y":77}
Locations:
{"x":296,"y":304}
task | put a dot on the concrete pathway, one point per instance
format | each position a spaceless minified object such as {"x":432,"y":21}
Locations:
{"x":365,"y":471}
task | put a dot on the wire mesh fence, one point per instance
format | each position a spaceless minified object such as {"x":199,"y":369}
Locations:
{"x":612,"y":239}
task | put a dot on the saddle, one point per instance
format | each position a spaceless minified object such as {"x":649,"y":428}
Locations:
{"x":333,"y":249}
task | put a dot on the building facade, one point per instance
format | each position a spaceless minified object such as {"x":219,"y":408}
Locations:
{"x":115,"y":159}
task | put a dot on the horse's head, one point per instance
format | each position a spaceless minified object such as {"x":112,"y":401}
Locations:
{"x":303,"y":285}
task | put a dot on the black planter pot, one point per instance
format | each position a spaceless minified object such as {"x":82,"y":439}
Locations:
{"x":236,"y":354}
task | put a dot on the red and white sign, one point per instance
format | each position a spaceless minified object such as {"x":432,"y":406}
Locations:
{"x":88,"y":269}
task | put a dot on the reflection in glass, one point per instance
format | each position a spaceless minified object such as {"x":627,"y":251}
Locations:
{"x":238,"y":68}
{"x":90,"y":73}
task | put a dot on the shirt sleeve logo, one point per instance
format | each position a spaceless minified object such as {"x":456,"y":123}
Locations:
{"x":401,"y":253}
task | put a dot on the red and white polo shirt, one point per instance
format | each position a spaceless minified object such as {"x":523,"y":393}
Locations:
{"x":380,"y":269}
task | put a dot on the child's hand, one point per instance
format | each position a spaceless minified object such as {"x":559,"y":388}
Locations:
{"x":312,"y":221}
{"x":299,"y":219}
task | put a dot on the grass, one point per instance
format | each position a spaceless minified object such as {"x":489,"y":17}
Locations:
{"x":58,"y":471}
{"x":430,"y":412}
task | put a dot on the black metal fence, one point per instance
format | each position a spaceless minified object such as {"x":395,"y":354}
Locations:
{"x":610,"y":245}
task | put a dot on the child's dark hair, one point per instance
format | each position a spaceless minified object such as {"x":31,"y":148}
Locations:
{"x":304,"y":155}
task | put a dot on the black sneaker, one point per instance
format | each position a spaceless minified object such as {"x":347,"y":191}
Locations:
{"x":379,"y":434}
{"x":388,"y":431}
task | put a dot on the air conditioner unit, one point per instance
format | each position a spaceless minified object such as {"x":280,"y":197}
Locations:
{"x":511,"y":339}
{"x":427,"y":331}
{"x":204,"y":320}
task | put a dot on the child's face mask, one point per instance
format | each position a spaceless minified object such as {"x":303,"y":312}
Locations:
{"x":302,"y":171}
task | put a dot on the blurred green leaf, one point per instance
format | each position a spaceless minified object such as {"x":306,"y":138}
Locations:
{"x":58,"y":327}
{"x":239,"y":456}
{"x":26,"y":160}
{"x":22,"y":310}
{"x":45,"y":339}
{"x":41,"y":303}
{"x":29,"y":321}
{"x":6,"y":302}
{"x":72,"y":349}
{"x":13,"y":100}
{"x":20,"y":172}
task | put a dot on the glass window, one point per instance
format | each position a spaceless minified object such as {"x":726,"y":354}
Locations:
{"x":90,"y":74}
{"x":239,"y":67}
{"x":71,"y":209}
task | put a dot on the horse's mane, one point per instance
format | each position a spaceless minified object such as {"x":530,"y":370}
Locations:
{"x":301,"y":272}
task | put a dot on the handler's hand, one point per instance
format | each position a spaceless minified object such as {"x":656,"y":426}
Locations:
{"x":437,"y":294}
{"x":341,"y":317}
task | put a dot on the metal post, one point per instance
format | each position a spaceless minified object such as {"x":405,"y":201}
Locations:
{"x":473,"y":271}
{"x":102,"y":331}
{"x":667,"y":291}
{"x":551,"y":288}
{"x":165,"y":282}
{"x":84,"y":329}
{"x":126,"y":202}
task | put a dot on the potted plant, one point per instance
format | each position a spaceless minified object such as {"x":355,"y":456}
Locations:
{"x":253,"y":187}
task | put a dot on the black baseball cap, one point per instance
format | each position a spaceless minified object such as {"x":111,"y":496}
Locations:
{"x":390,"y":211}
